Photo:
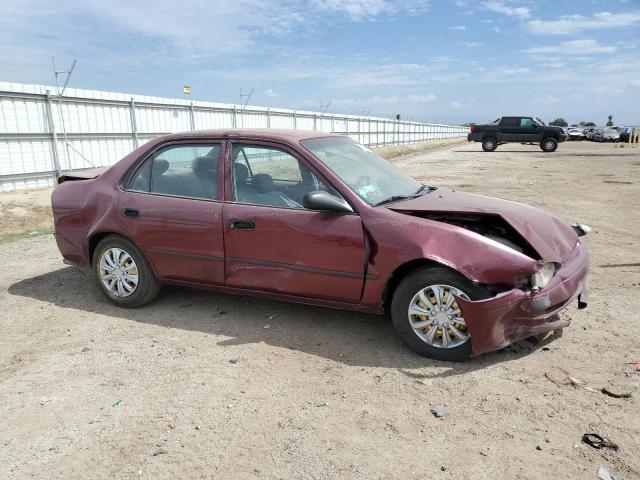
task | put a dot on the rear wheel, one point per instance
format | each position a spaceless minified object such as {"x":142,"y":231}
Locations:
{"x":123,"y":274}
{"x":427,"y":316}
{"x":549,"y":145}
{"x":489,"y":144}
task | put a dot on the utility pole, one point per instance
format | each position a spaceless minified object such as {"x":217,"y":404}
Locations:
{"x":59,"y":94}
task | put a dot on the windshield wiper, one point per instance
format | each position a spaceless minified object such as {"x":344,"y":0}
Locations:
{"x":395,"y":198}
{"x":392,"y":198}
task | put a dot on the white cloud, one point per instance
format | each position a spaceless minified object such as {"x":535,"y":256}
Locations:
{"x":471,"y":44}
{"x":459,"y":28}
{"x":572,"y":24}
{"x":545,"y":100}
{"x":583,"y":47}
{"x":269,"y":92}
{"x":502,"y":7}
{"x":366,"y":9}
{"x":456,"y":105}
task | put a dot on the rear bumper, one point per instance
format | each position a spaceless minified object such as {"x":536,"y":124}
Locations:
{"x":514,"y":315}
{"x":474,"y":137}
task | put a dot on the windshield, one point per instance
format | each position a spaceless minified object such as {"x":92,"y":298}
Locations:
{"x":371,"y":177}
{"x":540,"y":122}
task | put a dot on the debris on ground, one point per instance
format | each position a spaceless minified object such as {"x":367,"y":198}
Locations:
{"x":117,"y":403}
{"x":160,"y":451}
{"x":267,"y":326}
{"x":608,"y":392}
{"x":603,"y":474}
{"x":233,"y":360}
{"x":86,"y":349}
{"x":565,"y":378}
{"x":596,"y":441}
{"x":439,"y":411}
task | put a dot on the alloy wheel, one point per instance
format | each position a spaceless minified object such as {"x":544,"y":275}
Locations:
{"x":435,"y":316}
{"x":118,"y":272}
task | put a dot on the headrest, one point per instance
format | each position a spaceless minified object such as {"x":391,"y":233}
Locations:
{"x":205,"y":164}
{"x":241,"y":173}
{"x":160,"y":166}
{"x":262,"y":182}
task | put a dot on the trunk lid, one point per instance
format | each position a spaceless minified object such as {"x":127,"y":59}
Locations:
{"x":82,"y":174}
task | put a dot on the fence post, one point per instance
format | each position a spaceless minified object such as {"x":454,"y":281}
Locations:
{"x":234,"y":118}
{"x":268,"y":117}
{"x":134,"y":124}
{"x":295,"y":120}
{"x":54,"y":135}
{"x":384,"y":132}
{"x":192,"y":116}
{"x":315,"y":121}
{"x":333,"y":124}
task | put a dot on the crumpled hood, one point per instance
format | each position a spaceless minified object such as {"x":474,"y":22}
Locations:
{"x":552,"y":238}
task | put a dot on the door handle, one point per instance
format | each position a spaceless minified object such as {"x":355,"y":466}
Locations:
{"x":131,"y":212}
{"x":242,"y":225}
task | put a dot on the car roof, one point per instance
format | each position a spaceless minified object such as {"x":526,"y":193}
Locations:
{"x":255,"y":133}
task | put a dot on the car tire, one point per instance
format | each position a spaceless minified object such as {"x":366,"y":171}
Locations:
{"x":549,"y":144}
{"x":423,"y":280}
{"x":489,"y":144}
{"x":138,"y":283}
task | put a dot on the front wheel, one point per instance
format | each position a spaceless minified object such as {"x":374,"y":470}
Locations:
{"x":549,"y":145}
{"x":123,"y":274}
{"x":427,"y":316}
{"x":489,"y":144}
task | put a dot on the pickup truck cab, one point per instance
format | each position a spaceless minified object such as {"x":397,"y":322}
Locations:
{"x":517,"y":129}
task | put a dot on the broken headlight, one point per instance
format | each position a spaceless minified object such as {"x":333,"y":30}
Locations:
{"x":541,"y":278}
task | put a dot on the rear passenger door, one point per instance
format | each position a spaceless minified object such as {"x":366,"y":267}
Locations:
{"x":172,"y":211}
{"x":509,"y":129}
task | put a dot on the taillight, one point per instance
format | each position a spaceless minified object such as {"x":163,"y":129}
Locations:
{"x":473,"y":128}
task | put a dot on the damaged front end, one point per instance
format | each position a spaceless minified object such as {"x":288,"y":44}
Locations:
{"x":528,"y":304}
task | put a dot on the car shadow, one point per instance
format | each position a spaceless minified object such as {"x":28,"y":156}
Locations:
{"x":351,"y":338}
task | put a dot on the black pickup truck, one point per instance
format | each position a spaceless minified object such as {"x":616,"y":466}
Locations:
{"x":517,"y":129}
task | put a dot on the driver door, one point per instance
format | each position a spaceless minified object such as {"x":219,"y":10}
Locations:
{"x":273,"y":243}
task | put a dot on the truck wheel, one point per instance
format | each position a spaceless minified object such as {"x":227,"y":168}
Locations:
{"x":427,"y":317}
{"x":489,"y":144}
{"x":549,"y":145}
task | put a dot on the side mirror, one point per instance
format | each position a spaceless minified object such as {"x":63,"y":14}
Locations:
{"x":321,"y":200}
{"x":534,"y":125}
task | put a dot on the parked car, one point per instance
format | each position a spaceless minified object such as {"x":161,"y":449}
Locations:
{"x":610,"y":135}
{"x":320,"y":219}
{"x":575,"y":134}
{"x":516,"y":129}
{"x":596,"y":134}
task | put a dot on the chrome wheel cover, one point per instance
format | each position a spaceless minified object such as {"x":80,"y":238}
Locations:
{"x":548,"y":145}
{"x":118,"y":272}
{"x":436,"y":318}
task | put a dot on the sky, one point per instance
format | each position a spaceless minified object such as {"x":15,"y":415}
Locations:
{"x":451,"y":61}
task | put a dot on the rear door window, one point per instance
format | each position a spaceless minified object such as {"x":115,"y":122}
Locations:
{"x":180,"y":170}
{"x":510,"y":122}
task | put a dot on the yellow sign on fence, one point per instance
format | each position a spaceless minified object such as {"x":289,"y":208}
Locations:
{"x":186,"y":89}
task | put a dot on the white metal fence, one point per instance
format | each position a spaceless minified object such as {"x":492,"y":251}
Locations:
{"x":42,"y":135}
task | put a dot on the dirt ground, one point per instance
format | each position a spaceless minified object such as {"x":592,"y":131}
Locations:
{"x":206,"y":385}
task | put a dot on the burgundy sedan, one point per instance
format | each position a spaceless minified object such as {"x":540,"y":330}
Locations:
{"x":315,"y":218}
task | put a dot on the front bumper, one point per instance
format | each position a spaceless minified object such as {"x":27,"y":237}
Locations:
{"x":514,"y":315}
